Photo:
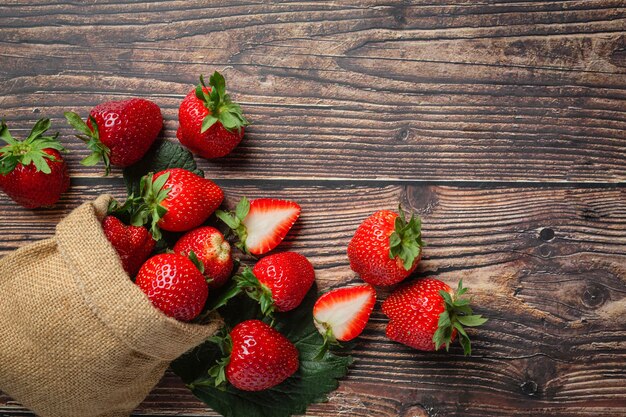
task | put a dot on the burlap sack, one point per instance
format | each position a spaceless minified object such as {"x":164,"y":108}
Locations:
{"x":77,"y":337}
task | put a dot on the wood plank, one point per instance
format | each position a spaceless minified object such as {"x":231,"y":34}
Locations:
{"x":485,"y":91}
{"x":545,"y":264}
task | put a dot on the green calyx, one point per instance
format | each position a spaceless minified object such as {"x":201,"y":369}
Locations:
{"x":329,"y":339}
{"x":218,"y":371}
{"x":30,"y":150}
{"x":406,"y":240}
{"x":91,"y":136}
{"x":222,"y":109}
{"x":148,"y":208}
{"x":247,"y":282}
{"x":234,"y":220}
{"x":457,"y":314}
{"x":197,"y":262}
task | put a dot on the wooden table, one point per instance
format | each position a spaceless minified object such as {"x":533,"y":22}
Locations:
{"x":502,"y":123}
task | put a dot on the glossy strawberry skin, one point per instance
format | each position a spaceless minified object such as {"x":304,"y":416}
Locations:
{"x":174,"y":285}
{"x":190,"y":201}
{"x":128,"y":128}
{"x":212,"y":250}
{"x":368,"y":251}
{"x":132,"y":243}
{"x":288,"y":275}
{"x":215,"y":142}
{"x":261,"y":357}
{"x":413,"y":312}
{"x":31,"y":189}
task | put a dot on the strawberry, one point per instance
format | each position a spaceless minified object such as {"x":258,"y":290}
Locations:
{"x":278,"y":282}
{"x":341,"y":314}
{"x":32,"y":171}
{"x":132,"y":243}
{"x":176,"y":200}
{"x":427,"y":314}
{"x":118,"y":132}
{"x":212,"y":250}
{"x":210,"y":124}
{"x":174,"y":284}
{"x":385,"y":248}
{"x":261,"y":224}
{"x":259,"y":357}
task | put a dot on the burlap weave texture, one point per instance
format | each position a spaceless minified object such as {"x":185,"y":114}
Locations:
{"x":77,"y":337}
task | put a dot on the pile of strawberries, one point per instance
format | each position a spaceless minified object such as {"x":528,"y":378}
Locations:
{"x":385,"y":249}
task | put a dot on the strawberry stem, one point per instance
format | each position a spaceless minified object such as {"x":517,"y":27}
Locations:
{"x":457,"y":313}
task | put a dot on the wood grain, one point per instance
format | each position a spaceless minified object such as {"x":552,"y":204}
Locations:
{"x":501,"y":122}
{"x":545,"y":264}
{"x":440,"y":90}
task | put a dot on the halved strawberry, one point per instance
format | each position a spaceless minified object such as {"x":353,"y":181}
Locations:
{"x":261,"y":224}
{"x":341,"y":314}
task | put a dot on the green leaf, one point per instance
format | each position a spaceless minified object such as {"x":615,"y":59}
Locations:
{"x":242,"y":209}
{"x":163,"y":155}
{"x":310,"y":384}
{"x":230,"y":220}
{"x":77,"y":123}
{"x":92,"y":159}
{"x":229,"y":120}
{"x":467,"y":345}
{"x":7,"y":164}
{"x":40,"y":127}
{"x":472,"y":321}
{"x":224,"y":296}
{"x":197,"y":262}
{"x":5,"y":135}
{"x":207,"y":122}
{"x":40,"y":163}
{"x":200,"y":95}
{"x":218,"y":84}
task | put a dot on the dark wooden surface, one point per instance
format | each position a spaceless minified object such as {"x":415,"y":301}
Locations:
{"x":501,"y":122}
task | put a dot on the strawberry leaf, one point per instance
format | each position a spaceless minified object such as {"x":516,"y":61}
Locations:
{"x":163,"y":155}
{"x":310,"y":384}
{"x":207,"y":122}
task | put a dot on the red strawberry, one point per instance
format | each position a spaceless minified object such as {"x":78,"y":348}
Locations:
{"x":212,"y":250}
{"x":174,"y":285}
{"x":279,"y":282}
{"x":32,"y":172}
{"x":385,"y":248}
{"x":211,"y":125}
{"x":260,"y":357}
{"x":341,"y":314}
{"x":427,"y":314}
{"x":132,"y":243}
{"x":261,"y":224}
{"x":118,"y":132}
{"x":177,"y":200}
